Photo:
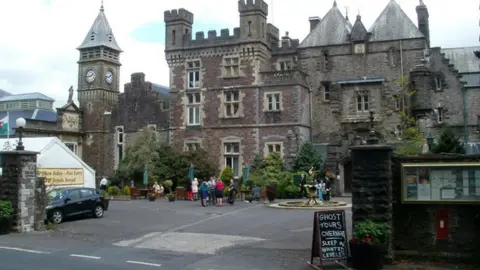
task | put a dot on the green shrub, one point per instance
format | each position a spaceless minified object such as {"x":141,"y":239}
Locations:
{"x":113,"y":190}
{"x":371,"y":232}
{"x":6,"y":209}
{"x":126,"y":190}
{"x":226,"y":175}
{"x":168,"y":183}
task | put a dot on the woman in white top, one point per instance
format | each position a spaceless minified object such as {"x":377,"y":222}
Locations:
{"x":195,"y":188}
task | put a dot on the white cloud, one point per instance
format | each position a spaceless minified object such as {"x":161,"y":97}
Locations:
{"x":37,"y":47}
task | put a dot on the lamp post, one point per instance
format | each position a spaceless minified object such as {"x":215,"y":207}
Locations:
{"x":21,"y":122}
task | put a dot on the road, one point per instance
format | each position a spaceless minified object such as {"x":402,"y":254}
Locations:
{"x":162,"y":235}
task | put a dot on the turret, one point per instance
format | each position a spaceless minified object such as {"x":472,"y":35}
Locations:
{"x":178,"y":27}
{"x":253,"y":20}
{"x":421,"y":78}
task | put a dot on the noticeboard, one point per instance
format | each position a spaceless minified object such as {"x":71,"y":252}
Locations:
{"x":330,"y":239}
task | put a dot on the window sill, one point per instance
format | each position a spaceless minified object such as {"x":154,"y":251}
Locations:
{"x":230,"y":117}
{"x":231,"y":77}
{"x":193,"y":88}
{"x":193,"y":126}
{"x":272,"y":111}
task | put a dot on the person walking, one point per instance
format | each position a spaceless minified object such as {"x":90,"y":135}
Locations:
{"x":103,"y":184}
{"x":219,"y":186}
{"x":195,"y":188}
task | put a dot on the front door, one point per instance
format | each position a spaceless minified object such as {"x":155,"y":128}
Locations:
{"x":347,"y":175}
{"x":73,"y":205}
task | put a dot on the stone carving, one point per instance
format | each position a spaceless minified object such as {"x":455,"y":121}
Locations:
{"x":70,"y":121}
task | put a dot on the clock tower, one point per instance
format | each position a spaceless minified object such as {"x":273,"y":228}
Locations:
{"x":98,"y":90}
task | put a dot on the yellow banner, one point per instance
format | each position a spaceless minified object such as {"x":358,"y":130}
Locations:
{"x":61,"y":177}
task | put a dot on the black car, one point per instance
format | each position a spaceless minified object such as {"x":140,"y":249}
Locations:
{"x":69,"y":202}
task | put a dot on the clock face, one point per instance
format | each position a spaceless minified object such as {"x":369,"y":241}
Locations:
{"x":109,"y":77}
{"x":90,"y":76}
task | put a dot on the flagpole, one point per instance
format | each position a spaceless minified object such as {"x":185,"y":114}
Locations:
{"x":8,"y":127}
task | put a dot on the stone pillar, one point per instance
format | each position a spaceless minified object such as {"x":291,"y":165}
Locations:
{"x":18,"y":183}
{"x":372,"y":184}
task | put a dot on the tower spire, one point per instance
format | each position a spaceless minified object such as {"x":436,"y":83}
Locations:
{"x":334,"y":3}
{"x":101,"y":7}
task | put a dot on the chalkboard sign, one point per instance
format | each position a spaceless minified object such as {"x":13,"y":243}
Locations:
{"x":330,"y":239}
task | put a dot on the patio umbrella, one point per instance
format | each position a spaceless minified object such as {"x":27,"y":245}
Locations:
{"x":191,"y":172}
{"x":246,"y":172}
{"x":145,"y":175}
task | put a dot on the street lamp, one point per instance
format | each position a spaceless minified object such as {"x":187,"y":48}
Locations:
{"x":21,"y":122}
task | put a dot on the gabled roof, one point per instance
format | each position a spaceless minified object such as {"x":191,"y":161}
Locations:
{"x":100,"y":34}
{"x":359,"y":32}
{"x":394,"y":24}
{"x":333,"y":29}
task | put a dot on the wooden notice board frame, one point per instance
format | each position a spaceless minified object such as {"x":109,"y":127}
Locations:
{"x":316,"y":238}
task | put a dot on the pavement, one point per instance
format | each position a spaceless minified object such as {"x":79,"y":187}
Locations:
{"x":179,"y":235}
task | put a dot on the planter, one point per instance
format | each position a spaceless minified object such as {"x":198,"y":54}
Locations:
{"x":152,"y":198}
{"x":171,"y":199}
{"x":367,"y":256}
{"x":271,"y":193}
{"x":5,"y":225}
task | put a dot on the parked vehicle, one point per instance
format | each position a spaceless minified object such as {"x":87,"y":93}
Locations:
{"x":70,"y":202}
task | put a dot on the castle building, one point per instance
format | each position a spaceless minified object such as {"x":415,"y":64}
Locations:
{"x":252,"y":91}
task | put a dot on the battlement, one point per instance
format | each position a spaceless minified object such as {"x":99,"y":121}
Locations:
{"x":212,"y":37}
{"x":250,"y":6}
{"x":178,"y":15}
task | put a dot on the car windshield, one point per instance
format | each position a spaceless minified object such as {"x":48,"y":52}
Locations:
{"x":55,"y":195}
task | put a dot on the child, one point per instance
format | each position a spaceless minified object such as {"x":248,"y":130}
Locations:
{"x":204,"y":193}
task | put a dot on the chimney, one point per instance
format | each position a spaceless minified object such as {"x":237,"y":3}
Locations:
{"x":313,"y":22}
{"x":423,"y":25}
{"x":286,"y":41}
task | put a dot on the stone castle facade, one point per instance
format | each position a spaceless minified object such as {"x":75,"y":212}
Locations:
{"x":252,"y":91}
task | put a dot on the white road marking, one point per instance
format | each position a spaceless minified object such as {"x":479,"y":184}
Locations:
{"x":85,"y":256}
{"x":145,"y":263}
{"x":23,"y":250}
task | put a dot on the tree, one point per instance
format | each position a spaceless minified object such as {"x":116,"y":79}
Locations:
{"x":226,"y":175}
{"x":257,"y":162}
{"x":408,"y":137}
{"x":171,"y":163}
{"x":307,"y":158}
{"x":448,"y":143}
{"x":202,"y":163}
{"x":142,"y":153}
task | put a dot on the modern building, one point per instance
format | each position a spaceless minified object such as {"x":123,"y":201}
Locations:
{"x":252,"y":91}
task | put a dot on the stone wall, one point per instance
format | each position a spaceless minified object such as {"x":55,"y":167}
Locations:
{"x":415,"y":224}
{"x":20,"y":185}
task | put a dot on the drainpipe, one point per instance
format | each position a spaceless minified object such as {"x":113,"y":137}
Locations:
{"x":465,"y":115}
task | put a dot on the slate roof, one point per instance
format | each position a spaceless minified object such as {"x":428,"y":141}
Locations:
{"x":27,"y":96}
{"x":4,"y":93}
{"x":463,"y":58}
{"x":359,"y":32}
{"x":36,"y":114}
{"x":100,"y":34}
{"x":333,"y":29}
{"x":394,"y":24}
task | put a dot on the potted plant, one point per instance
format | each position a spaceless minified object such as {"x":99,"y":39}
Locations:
{"x":6,"y":217}
{"x":249,"y":198}
{"x":272,"y":190}
{"x":368,"y":245}
{"x":167,"y":184}
{"x":171,"y":197}
{"x":152,"y":197}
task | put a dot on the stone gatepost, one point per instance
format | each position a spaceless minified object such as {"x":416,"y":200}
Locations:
{"x":372,"y":184}
{"x":18,"y":184}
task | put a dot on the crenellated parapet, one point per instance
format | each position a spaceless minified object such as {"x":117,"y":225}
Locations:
{"x":250,"y":6}
{"x":176,"y":15}
{"x":212,"y":37}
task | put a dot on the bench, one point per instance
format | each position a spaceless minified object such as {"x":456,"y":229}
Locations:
{"x":134,"y":193}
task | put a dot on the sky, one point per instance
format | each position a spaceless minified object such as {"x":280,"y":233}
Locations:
{"x":39,"y":37}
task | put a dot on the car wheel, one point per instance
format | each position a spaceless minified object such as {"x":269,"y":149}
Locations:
{"x":98,"y":212}
{"x":57,"y":217}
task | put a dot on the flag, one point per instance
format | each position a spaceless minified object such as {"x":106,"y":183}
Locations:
{"x":246,"y":173}
{"x":145,"y":175}
{"x":4,"y":126}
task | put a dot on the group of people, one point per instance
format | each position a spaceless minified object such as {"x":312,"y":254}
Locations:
{"x":210,"y":192}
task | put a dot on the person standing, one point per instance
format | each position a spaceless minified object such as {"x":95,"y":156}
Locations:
{"x":211,"y":191}
{"x":195,"y":188}
{"x":232,"y":191}
{"x":204,"y":193}
{"x":219,"y":186}
{"x":103,"y":184}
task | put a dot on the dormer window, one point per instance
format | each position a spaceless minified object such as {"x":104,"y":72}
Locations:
{"x":92,"y":36}
{"x":359,"y":48}
{"x":438,"y":83}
